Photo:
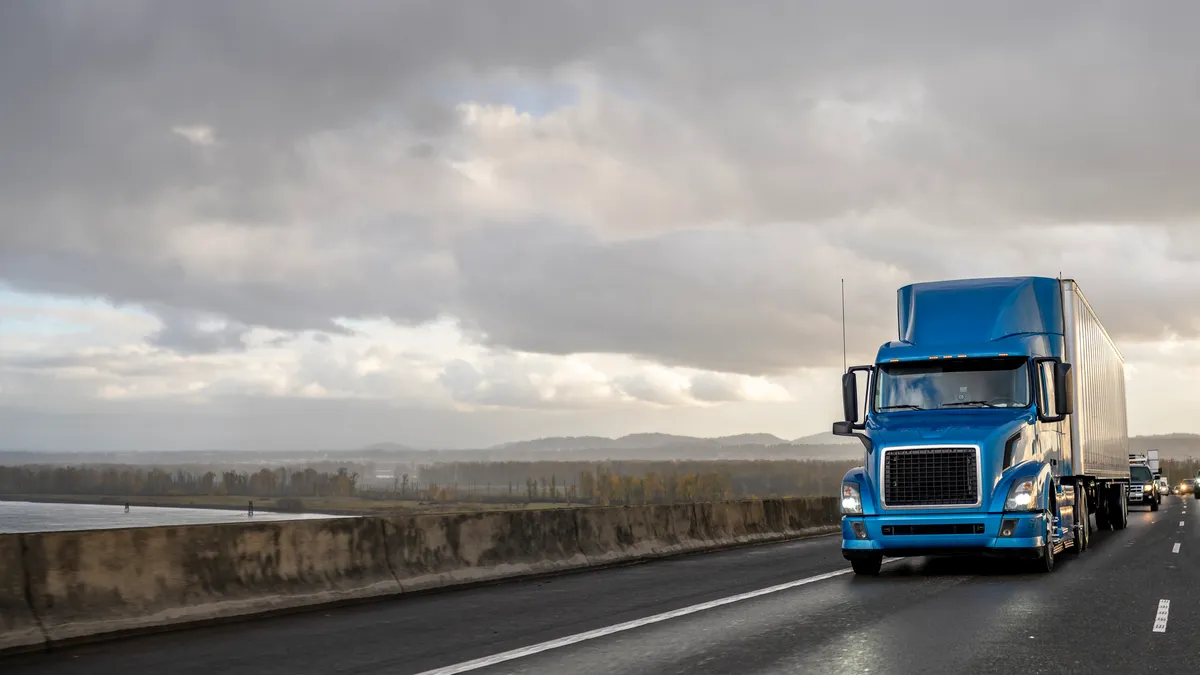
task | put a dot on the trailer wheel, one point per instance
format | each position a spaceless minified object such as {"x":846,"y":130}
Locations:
{"x":1120,"y":517}
{"x":1103,"y":508}
{"x":867,"y":566}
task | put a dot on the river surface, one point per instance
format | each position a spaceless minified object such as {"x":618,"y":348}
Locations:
{"x":42,"y":517}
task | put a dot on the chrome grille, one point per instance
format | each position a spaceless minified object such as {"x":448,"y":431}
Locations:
{"x":930,"y":477}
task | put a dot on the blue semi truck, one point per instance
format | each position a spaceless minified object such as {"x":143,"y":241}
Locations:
{"x":994,"y":425}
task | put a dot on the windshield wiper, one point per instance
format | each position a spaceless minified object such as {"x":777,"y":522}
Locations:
{"x":958,"y":403}
{"x":901,"y":406}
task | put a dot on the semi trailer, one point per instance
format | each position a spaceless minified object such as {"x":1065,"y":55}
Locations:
{"x":994,"y":425}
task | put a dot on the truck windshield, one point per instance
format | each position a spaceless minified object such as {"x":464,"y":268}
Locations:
{"x":1141,"y":473}
{"x":958,"y":383}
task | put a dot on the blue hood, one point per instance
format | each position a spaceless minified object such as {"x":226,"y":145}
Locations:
{"x":989,"y":428}
{"x":982,"y":426}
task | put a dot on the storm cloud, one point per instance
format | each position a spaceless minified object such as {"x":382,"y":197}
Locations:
{"x":684,"y":182}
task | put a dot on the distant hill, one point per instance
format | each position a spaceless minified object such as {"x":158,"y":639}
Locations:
{"x":648,"y":441}
{"x":388,"y":447}
{"x":750,"y":439}
{"x":1169,"y":446}
{"x":826,"y":438}
{"x":556,"y":443}
{"x":664,"y":441}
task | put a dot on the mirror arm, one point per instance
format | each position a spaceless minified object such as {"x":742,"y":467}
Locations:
{"x":848,"y":429}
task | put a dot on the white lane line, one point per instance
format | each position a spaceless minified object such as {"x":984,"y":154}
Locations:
{"x":1160,"y":619}
{"x":1175,"y":548}
{"x":1181,"y":523}
{"x":492,"y":660}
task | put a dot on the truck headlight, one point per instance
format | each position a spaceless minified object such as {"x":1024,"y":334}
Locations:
{"x":1147,"y":488}
{"x":851,"y":499}
{"x":1020,"y":496}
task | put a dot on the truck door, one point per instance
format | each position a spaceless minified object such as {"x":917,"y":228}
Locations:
{"x":1051,"y":436}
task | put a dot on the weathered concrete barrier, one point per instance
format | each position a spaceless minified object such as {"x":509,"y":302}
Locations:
{"x":18,"y":626}
{"x":64,"y":586}
{"x":443,"y":550}
{"x":100,"y":581}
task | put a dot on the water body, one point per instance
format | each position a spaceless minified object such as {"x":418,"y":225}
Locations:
{"x":41,"y":517}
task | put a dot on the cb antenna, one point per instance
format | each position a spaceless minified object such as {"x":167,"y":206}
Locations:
{"x":843,"y":325}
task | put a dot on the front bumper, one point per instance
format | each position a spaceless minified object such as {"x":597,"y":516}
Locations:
{"x":1140,"y":496}
{"x":943,"y":534}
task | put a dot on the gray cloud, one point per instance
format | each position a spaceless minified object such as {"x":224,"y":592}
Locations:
{"x":713,"y":388}
{"x":760,"y":304}
{"x":907,"y":142}
{"x":188,"y":334}
{"x":644,"y":388}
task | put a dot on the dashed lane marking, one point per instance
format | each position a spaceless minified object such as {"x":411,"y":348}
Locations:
{"x":1175,"y":548}
{"x":1160,"y":618}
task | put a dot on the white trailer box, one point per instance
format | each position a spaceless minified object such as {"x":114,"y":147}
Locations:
{"x":1099,"y":430}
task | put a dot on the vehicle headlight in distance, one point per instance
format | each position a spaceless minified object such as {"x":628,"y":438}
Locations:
{"x":851,"y":499}
{"x":1020,"y":496}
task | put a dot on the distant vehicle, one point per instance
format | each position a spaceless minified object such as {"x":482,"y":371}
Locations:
{"x":1142,"y":488}
{"x":995,"y":424}
{"x":1186,"y":486}
{"x":1163,"y":487}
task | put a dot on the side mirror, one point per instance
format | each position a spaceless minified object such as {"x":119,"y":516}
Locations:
{"x":850,"y":426}
{"x":1064,"y":388}
{"x":1058,"y":381}
{"x":850,"y":398}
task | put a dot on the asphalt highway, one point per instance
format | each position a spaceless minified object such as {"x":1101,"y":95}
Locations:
{"x":784,"y":608}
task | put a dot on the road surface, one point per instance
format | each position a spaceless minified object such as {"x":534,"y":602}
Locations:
{"x":780,"y":608}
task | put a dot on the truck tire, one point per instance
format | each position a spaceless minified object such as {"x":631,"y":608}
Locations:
{"x":1083,"y":530}
{"x":1120,"y":508}
{"x":1154,"y":505}
{"x":1195,"y":494}
{"x":1103,"y":510}
{"x":1046,"y":564}
{"x":867,"y":566}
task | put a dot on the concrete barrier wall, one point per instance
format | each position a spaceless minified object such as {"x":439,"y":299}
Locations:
{"x":17,"y":623}
{"x":60,"y":586}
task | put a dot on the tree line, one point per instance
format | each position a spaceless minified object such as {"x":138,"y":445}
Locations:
{"x":1175,"y":470}
{"x":628,"y":482}
{"x":157,"y":482}
{"x":621,"y":482}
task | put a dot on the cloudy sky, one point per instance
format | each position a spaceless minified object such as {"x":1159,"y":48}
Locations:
{"x":309,"y":224}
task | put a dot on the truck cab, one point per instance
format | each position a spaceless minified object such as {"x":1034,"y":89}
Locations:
{"x":972,"y":431}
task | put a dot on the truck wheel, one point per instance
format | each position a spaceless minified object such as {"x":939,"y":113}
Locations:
{"x":1154,"y":505}
{"x":1195,"y":494}
{"x":1084,"y":526}
{"x":1103,"y":509}
{"x":1046,"y":564}
{"x":1120,"y":517}
{"x":867,"y":566}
